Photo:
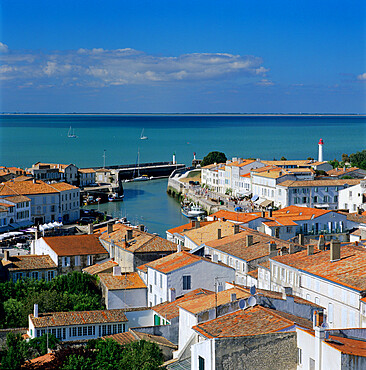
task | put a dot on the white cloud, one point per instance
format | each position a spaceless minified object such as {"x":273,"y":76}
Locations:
{"x":265,"y":82}
{"x":3,"y":48}
{"x":362,"y":77}
{"x":101,"y":67}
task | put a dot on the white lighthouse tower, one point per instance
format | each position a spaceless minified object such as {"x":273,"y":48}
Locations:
{"x":320,"y":155}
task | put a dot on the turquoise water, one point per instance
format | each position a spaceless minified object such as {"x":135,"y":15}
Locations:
{"x":25,"y":140}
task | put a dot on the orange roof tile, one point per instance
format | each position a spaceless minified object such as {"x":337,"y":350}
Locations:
{"x":350,"y":270}
{"x":74,"y":245}
{"x":169,"y":310}
{"x":86,"y":170}
{"x":186,"y":227}
{"x":100,"y":267}
{"x":77,"y":318}
{"x":29,"y":262}
{"x":63,"y":186}
{"x":130,"y":280}
{"x":236,"y":216}
{"x":317,"y":183}
{"x":255,"y":320}
{"x":176,"y":261}
{"x":210,"y":301}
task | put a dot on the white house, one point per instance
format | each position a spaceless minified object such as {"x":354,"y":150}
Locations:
{"x":86,"y":177}
{"x":353,"y":198}
{"x":15,"y":212}
{"x":334,"y":278}
{"x":181,"y":272}
{"x":77,"y":325}
{"x":123,"y":290}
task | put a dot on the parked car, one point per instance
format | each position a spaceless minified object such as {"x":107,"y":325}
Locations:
{"x":85,"y":220}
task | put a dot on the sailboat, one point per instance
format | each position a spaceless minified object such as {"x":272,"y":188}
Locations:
{"x":139,"y":178}
{"x":71,"y":133}
{"x":142,"y":136}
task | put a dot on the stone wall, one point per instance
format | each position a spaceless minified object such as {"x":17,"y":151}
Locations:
{"x":270,"y":351}
{"x":4,"y":332}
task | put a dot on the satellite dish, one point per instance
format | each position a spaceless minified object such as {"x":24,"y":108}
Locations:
{"x":252,"y":290}
{"x":252,"y":301}
{"x":243,"y":304}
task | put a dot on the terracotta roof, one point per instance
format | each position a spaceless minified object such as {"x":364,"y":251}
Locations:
{"x":74,"y":245}
{"x":355,"y":217}
{"x":342,"y":171}
{"x":266,"y":265}
{"x":177,"y":261}
{"x":186,"y":227}
{"x":29,"y":262}
{"x":77,"y":318}
{"x":130,"y":280}
{"x":7,"y":205}
{"x":270,"y":171}
{"x":235,"y":245}
{"x":100,"y":267}
{"x":41,"y":360}
{"x":245,"y":175}
{"x":210,"y":232}
{"x":242,"y":164}
{"x":86,"y":170}
{"x":290,"y":162}
{"x":169,"y":310}
{"x":213,"y":165}
{"x":253,"y":273}
{"x":26,"y":187}
{"x":17,"y":199}
{"x":350,"y":270}
{"x":255,"y":320}
{"x":141,"y":242}
{"x":317,"y":183}
{"x":134,"y":335}
{"x":63,"y":186}
{"x":236,"y":216}
{"x":209,"y":301}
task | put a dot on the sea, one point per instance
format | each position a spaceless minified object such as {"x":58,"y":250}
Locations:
{"x":27,"y":139}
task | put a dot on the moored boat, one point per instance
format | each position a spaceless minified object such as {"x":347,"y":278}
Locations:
{"x":193,"y":211}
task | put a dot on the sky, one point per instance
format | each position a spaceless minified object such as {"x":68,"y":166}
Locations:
{"x":183,"y":56}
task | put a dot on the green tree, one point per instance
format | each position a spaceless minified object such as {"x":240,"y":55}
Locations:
{"x":38,"y":346}
{"x":14,"y":317}
{"x":334,"y":163}
{"x":15,"y":353}
{"x":345,"y":158}
{"x":78,"y":362}
{"x":358,"y":159}
{"x":283,"y":158}
{"x":213,"y":157}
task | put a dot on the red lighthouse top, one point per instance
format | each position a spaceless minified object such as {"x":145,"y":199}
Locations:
{"x":321,"y":142}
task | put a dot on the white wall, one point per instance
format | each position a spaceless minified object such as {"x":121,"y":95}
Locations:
{"x":41,"y":247}
{"x":127,"y":298}
{"x":186,"y":321}
{"x":206,"y":350}
{"x":139,"y":318}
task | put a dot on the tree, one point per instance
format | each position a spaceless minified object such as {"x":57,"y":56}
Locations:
{"x":38,"y":346}
{"x":14,"y":313}
{"x":78,"y":362}
{"x":16,"y":352}
{"x":358,"y":159}
{"x":334,"y":163}
{"x":283,"y":158}
{"x":345,"y":158}
{"x":213,"y":157}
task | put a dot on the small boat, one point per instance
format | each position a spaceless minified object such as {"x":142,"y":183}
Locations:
{"x":193,"y":211}
{"x":71,"y":133}
{"x":141,"y":178}
{"x":114,"y":197}
{"x":142,"y":136}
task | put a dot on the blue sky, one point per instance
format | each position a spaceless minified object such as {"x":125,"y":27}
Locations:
{"x":183,"y":56}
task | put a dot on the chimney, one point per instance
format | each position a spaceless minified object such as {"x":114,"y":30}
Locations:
{"x":248,"y":240}
{"x":272,"y":249}
{"x":301,"y":239}
{"x":218,"y":233}
{"x":263,"y":214}
{"x":171,"y":294}
{"x":321,"y":243}
{"x":233,"y":297}
{"x":6,"y":256}
{"x":116,"y":270}
{"x":335,"y":250}
{"x":141,"y":227}
{"x":90,"y":229}
{"x":269,"y":212}
{"x":109,"y":228}
{"x":129,"y":234}
{"x":291,"y":248}
{"x":356,"y":243}
{"x":35,"y":311}
{"x":236,"y":229}
{"x":179,"y":248}
{"x":197,"y":224}
{"x":310,"y":249}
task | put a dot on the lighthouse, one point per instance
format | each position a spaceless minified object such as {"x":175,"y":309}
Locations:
{"x":320,"y":155}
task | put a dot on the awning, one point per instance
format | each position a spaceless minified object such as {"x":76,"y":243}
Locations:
{"x":266,"y":203}
{"x":18,"y":225}
{"x":255,"y":197}
{"x":243,"y":193}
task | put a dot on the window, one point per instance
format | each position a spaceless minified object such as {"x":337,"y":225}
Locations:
{"x":326,"y":198}
{"x":154,"y":277}
{"x":89,"y":260}
{"x":150,"y":288}
{"x":161,"y":280}
{"x":317,"y":300}
{"x":299,"y":356}
{"x":315,"y":199}
{"x":65,"y":261}
{"x":50,"y":275}
{"x":77,"y":260}
{"x":80,"y":331}
{"x":201,"y":363}
{"x":35,"y":275}
{"x":326,"y":188}
{"x":187,"y":282}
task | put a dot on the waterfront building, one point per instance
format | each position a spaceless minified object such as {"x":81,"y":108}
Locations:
{"x":307,"y":193}
{"x":123,"y":290}
{"x":87,"y":177}
{"x":55,"y":172}
{"x":28,"y":267}
{"x":71,"y":252}
{"x":131,"y":247}
{"x":180,"y":273}
{"x":15,"y":212}
{"x":354,"y":172}
{"x":49,"y":202}
{"x":302,"y":163}
{"x":77,"y":325}
{"x":333,"y":278}
{"x":353,"y":198}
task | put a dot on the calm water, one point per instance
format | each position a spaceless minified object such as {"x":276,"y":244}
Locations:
{"x":25,"y":140}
